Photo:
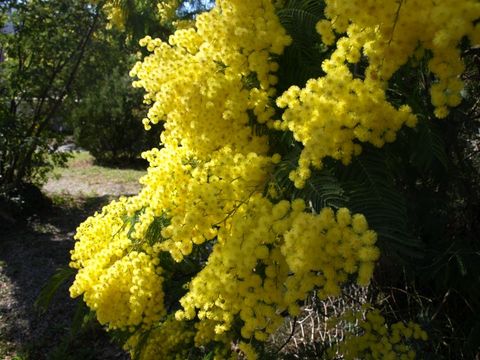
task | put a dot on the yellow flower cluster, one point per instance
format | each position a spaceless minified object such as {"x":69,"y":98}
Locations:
{"x":248,"y":351}
{"x":331,"y":115}
{"x":377,"y":340}
{"x":332,"y":245}
{"x":115,"y":13}
{"x":123,"y":286}
{"x":167,"y":10}
{"x":165,"y":341}
{"x":198,"y":83}
{"x":389,"y":32}
{"x":208,"y":83}
{"x":244,"y":274}
{"x":268,"y":257}
{"x":166,"y":13}
{"x":197,"y":196}
{"x":115,"y":16}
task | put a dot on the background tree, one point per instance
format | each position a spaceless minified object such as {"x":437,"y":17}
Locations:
{"x":106,"y":115}
{"x":56,"y":55}
{"x":42,"y":59}
{"x":109,"y":114}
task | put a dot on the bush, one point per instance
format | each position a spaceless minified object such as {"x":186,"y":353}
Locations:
{"x":107,"y":121}
{"x":302,"y":149}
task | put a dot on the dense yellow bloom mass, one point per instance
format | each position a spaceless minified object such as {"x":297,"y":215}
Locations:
{"x":269,"y":256}
{"x":123,"y":285}
{"x":332,"y":115}
{"x":205,"y":104}
{"x":210,"y":164}
{"x":206,"y":183}
{"x":389,"y":33}
{"x":196,"y":195}
{"x":334,"y":245}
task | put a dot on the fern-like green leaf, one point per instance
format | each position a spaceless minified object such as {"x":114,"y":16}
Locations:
{"x":154,"y":231}
{"x":429,"y":147}
{"x":302,"y":60}
{"x":82,"y":316}
{"x":323,"y":189}
{"x":371,"y":191}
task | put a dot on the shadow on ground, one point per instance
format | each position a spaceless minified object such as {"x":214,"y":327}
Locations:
{"x":30,"y":253}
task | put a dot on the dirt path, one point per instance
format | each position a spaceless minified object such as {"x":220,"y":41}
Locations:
{"x":30,"y":254}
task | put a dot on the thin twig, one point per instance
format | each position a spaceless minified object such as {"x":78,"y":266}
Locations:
{"x":444,"y":300}
{"x":290,"y":337}
{"x":397,"y":15}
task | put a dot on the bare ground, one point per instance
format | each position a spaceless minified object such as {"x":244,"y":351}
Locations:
{"x":31,"y":252}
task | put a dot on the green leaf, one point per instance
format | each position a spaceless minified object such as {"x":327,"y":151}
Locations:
{"x":371,"y":190}
{"x":209,"y":356}
{"x":154,"y":231}
{"x":142,"y":342}
{"x":461,"y":265}
{"x":302,"y":60}
{"x":81,"y":317}
{"x":62,"y":276}
{"x":429,"y":146}
{"x":323,"y":189}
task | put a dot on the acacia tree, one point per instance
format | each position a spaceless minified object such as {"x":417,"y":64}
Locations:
{"x":302,"y":148}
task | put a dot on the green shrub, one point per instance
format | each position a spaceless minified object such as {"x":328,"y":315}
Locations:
{"x":107,"y":121}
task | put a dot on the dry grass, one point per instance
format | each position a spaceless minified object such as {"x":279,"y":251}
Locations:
{"x":82,"y":178}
